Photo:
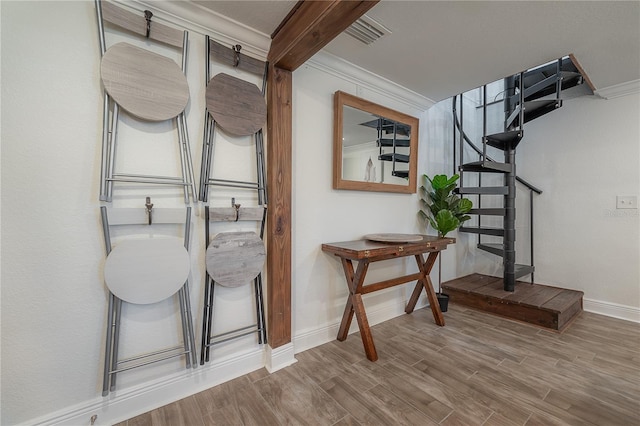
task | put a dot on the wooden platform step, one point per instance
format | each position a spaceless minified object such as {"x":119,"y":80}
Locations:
{"x":542,"y":305}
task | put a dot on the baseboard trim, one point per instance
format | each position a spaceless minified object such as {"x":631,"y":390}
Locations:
{"x":614,"y":310}
{"x":130,"y":402}
{"x":279,"y":358}
{"x":311,"y":338}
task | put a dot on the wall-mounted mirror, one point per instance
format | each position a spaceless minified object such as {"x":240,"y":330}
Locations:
{"x":374,"y":148}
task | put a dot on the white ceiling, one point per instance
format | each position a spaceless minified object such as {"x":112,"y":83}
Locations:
{"x":441,"y":48}
{"x":261,"y":15}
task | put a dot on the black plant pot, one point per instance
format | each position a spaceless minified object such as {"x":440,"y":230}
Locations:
{"x":443,"y":301}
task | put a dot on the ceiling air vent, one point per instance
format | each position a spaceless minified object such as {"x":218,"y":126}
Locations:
{"x":367,"y":30}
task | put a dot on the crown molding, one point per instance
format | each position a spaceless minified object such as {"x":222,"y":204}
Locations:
{"x":199,"y":19}
{"x":345,"y":70}
{"x":619,"y":90}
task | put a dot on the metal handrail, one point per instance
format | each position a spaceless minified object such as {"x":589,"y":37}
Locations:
{"x":483,"y":155}
{"x":479,"y":151}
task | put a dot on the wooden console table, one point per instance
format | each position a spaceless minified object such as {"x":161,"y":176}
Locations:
{"x":366,"y":252}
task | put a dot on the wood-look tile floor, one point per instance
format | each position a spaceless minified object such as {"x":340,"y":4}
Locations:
{"x":477,"y":370}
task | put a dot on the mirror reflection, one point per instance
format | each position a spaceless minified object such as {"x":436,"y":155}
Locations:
{"x":375,"y":148}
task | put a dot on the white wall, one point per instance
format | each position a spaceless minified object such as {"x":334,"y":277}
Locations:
{"x":322,"y":214}
{"x":582,"y":156}
{"x":53,"y":296}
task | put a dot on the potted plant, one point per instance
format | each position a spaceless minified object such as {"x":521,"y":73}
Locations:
{"x":445,"y":211}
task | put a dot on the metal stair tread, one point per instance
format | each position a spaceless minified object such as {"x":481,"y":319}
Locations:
{"x":488,"y":211}
{"x":569,"y":80}
{"x":543,"y":85}
{"x":487,"y":190}
{"x":538,"y":103}
{"x":494,"y":248}
{"x":486,"y":167}
{"x":536,"y":77}
{"x":399,"y":158}
{"x":538,"y":108}
{"x":387,"y":126}
{"x":389,"y":142}
{"x":522,"y":270}
{"x":482,"y":230}
{"x":400,"y":173}
{"x":505,"y":140}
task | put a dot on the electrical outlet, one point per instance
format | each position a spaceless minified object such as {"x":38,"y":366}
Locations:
{"x":626,"y":202}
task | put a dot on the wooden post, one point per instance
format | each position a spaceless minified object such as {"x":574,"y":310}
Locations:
{"x":279,"y":139}
{"x":308,"y":28}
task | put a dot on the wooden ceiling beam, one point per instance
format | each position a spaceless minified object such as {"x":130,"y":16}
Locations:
{"x":309,"y":27}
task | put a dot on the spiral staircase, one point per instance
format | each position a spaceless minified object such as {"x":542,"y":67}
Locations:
{"x":526,"y":96}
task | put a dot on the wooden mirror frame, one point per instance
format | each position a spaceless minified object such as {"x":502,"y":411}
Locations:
{"x":342,"y":99}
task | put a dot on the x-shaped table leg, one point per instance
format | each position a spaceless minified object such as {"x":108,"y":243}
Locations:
{"x":425,"y":282}
{"x":355,"y":305}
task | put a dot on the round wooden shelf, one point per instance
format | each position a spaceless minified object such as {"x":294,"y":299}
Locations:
{"x":147,"y":85}
{"x":146,"y":271}
{"x":236,"y":105}
{"x":235,"y":258}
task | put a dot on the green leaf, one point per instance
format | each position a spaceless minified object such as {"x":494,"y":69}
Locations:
{"x":439,"y":205}
{"x":465,"y":205}
{"x":445,"y":222}
{"x":445,"y":210}
{"x":442,"y":193}
{"x":439,"y":182}
{"x":464,"y":218}
{"x":443,"y":182}
{"x":453,"y":179}
{"x":453,"y":202}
